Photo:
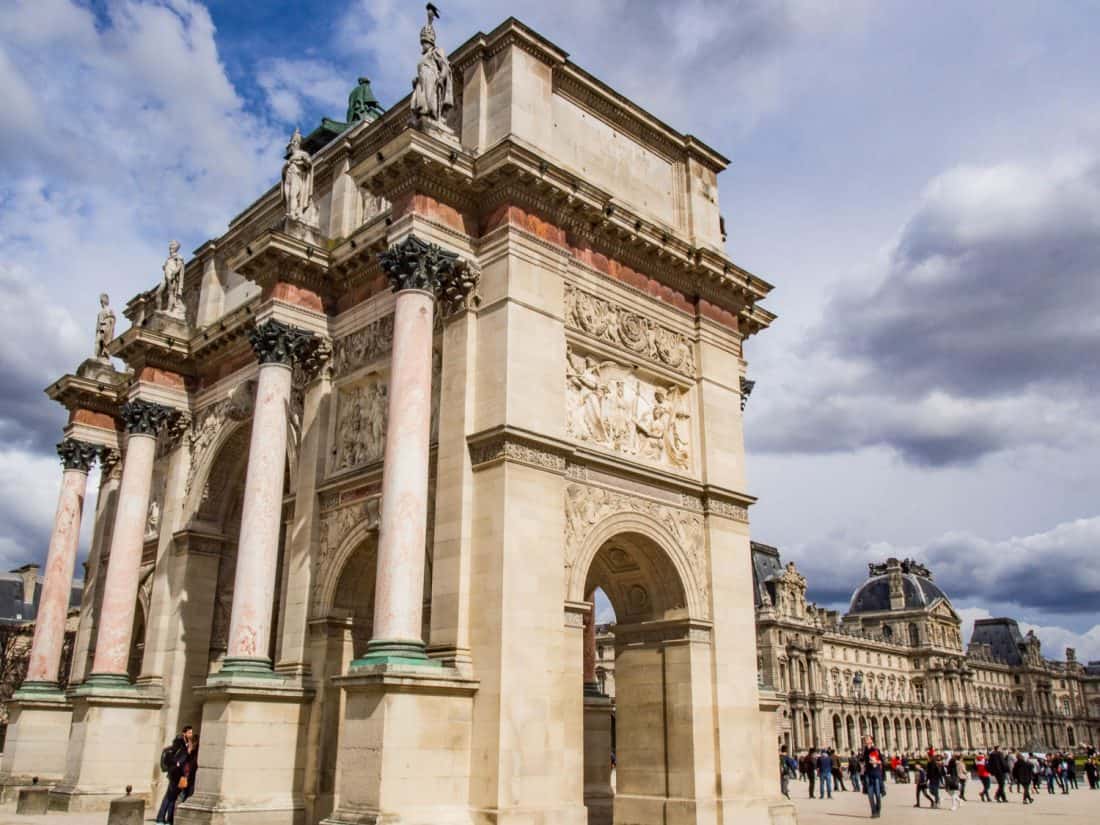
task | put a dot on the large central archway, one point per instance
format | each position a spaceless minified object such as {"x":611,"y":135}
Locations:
{"x":661,"y":657}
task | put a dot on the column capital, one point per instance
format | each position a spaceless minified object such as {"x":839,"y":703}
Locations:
{"x":78,"y":455}
{"x":275,"y":342}
{"x":416,"y":264}
{"x":146,"y":417}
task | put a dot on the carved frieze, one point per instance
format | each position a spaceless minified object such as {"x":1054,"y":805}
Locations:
{"x":617,"y":325}
{"x":360,"y":435}
{"x":362,"y":346}
{"x":513,"y":447}
{"x":586,"y":506}
{"x":610,"y":405}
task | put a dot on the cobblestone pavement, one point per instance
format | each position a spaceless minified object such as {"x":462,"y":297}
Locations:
{"x":1081,"y":807}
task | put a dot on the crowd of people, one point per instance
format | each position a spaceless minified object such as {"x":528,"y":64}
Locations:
{"x":936,"y":774}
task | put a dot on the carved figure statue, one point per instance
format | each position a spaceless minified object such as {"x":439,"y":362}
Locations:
{"x":152,"y":520}
{"x":298,"y":182}
{"x":104,"y":329}
{"x":171,"y":299}
{"x":433,"y":86}
{"x":362,"y":104}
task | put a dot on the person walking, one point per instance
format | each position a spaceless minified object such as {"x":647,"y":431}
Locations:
{"x":871,"y":769}
{"x":983,"y":777}
{"x":825,"y":774}
{"x":1023,"y":777}
{"x":964,"y":776}
{"x":838,"y":771}
{"x":810,"y":770}
{"x":998,"y":768}
{"x":922,"y":786}
{"x":1091,"y":773}
{"x":786,"y":768}
{"x":952,"y":780}
{"x":853,"y":772}
{"x":936,"y":774}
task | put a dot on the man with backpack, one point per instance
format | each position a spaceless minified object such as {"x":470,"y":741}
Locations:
{"x":176,"y":761}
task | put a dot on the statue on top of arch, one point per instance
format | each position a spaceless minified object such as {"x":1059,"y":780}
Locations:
{"x":433,"y":86}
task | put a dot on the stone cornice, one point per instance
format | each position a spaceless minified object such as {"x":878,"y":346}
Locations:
{"x":276,"y":257}
{"x":507,"y":444}
{"x":97,"y":393}
{"x":161,"y":343}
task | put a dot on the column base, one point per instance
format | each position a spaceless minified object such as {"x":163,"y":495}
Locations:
{"x":404,"y":746}
{"x":40,"y":717}
{"x":252,"y":667}
{"x":395,"y":652}
{"x":252,"y":752}
{"x":113,"y":743}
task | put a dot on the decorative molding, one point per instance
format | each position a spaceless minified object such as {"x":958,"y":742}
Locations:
{"x":358,"y":348}
{"x":615,"y":324}
{"x":587,"y":506}
{"x":78,"y":455}
{"x":146,"y":418}
{"x":660,"y":632}
{"x":277,"y":343}
{"x":609,"y":405}
{"x":519,"y":448}
{"x":746,"y":387}
{"x":725,"y":507}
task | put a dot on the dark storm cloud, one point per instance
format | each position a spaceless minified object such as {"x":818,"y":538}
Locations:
{"x":982,"y":336}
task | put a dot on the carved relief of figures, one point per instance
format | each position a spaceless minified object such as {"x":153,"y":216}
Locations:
{"x":359,"y":348}
{"x":617,"y":325}
{"x":609,"y":405}
{"x":360,"y":425}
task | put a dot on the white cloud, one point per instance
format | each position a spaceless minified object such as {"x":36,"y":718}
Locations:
{"x":290,"y":84}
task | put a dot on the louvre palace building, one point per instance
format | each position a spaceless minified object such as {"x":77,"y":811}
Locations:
{"x":894,"y":666}
{"x":365,"y":457}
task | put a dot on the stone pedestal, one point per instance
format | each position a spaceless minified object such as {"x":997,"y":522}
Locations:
{"x":33,"y":801}
{"x":599,"y":793}
{"x":251,"y":753}
{"x":38,"y":739}
{"x":114,"y":742}
{"x":126,"y":810}
{"x":404,"y":746}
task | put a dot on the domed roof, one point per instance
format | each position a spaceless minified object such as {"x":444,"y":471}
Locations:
{"x":916,"y":583}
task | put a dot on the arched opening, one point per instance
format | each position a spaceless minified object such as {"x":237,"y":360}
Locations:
{"x":638,"y":742}
{"x":908,"y":735}
{"x":897,"y":734}
{"x":342,"y":629}
{"x":851,"y":733}
{"x":837,"y":742}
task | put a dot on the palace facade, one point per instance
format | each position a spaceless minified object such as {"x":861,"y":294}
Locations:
{"x":367,"y":455}
{"x":894,"y":666}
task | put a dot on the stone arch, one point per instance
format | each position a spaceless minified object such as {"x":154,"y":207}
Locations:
{"x":232,"y":438}
{"x":332,"y":563}
{"x":677,"y":534}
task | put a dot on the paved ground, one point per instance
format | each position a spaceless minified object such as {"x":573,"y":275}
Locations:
{"x":1079,"y":808}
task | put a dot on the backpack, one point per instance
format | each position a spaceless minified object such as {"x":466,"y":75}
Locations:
{"x":167,"y":759}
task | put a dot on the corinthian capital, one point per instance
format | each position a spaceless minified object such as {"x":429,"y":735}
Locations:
{"x":77,"y":455}
{"x":416,"y":264}
{"x":146,"y":418}
{"x":277,"y":343}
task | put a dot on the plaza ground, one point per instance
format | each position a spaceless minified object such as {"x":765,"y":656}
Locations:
{"x":1078,"y":808}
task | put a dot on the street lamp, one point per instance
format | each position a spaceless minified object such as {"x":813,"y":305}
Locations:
{"x":857,"y":692}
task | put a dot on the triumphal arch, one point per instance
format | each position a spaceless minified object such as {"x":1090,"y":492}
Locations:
{"x":367,"y":456}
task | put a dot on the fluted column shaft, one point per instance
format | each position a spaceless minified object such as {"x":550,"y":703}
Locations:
{"x":116,"y":619}
{"x":53,"y":604}
{"x":277,"y":346}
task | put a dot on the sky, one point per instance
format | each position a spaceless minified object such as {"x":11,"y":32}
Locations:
{"x":920,"y":181}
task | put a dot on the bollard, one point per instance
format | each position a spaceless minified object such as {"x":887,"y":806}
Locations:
{"x":127,"y":810}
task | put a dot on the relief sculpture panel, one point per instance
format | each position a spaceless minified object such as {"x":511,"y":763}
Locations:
{"x":361,"y":412}
{"x":610,"y":405}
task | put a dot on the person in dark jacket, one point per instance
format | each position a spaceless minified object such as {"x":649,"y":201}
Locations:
{"x":873,"y":767}
{"x":935,"y":771}
{"x":998,"y":767}
{"x":825,"y":774}
{"x":838,"y":771}
{"x":810,"y":767}
{"x":178,"y":771}
{"x":1023,"y":775}
{"x":922,"y":787}
{"x":853,"y":771}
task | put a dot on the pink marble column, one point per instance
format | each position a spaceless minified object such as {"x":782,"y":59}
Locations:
{"x":277,"y":346}
{"x":399,"y":588}
{"x":53,"y":603}
{"x":418,"y":272}
{"x":116,"y":618}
